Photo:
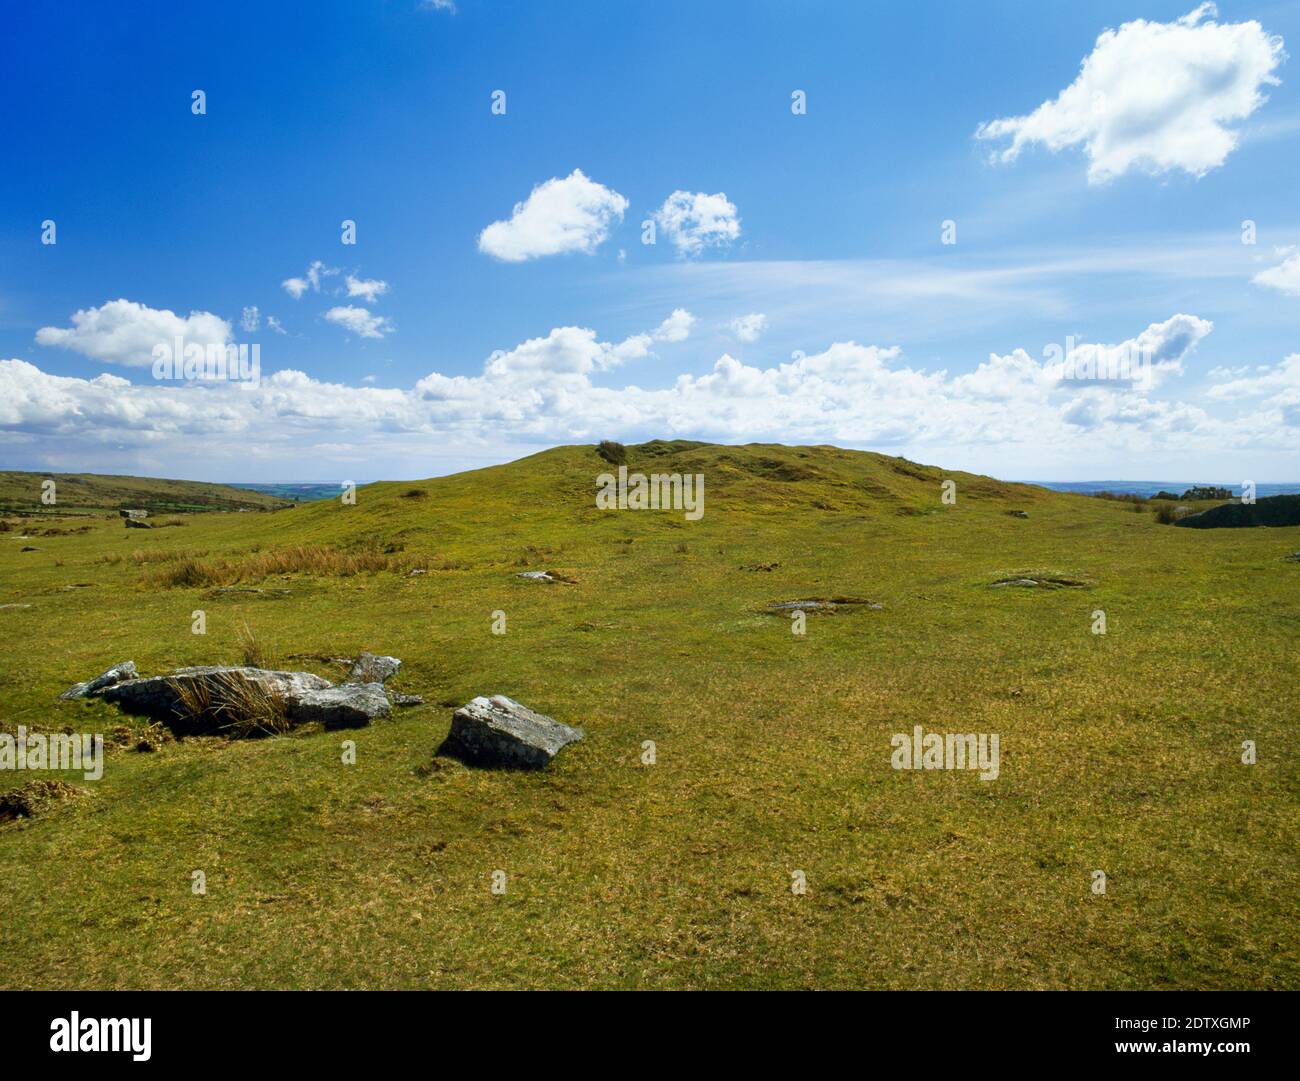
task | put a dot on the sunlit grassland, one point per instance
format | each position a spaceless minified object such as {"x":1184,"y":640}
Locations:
{"x":1120,"y":753}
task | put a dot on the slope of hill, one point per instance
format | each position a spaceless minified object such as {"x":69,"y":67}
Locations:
{"x":1274,"y":510}
{"x":726,"y":757}
{"x":84,"y":493}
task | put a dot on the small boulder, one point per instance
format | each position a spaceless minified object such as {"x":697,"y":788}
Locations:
{"x":1018,"y":513}
{"x":405,"y":700}
{"x":370,"y":668}
{"x":353,"y":705}
{"x":135,"y":523}
{"x":117,"y":674}
{"x":498,"y":731}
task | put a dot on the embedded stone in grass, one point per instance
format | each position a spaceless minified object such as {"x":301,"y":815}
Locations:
{"x":135,"y":523}
{"x":353,"y":705}
{"x":1026,"y":582}
{"x":500,"y":732}
{"x":544,"y":576}
{"x":117,"y":674}
{"x":36,"y":797}
{"x":163,"y":697}
{"x":405,"y":700}
{"x":1018,"y":513}
{"x":821,"y":604}
{"x":221,"y":591}
{"x":370,"y":668}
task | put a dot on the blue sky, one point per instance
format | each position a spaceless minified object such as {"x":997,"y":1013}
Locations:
{"x":821,"y":307}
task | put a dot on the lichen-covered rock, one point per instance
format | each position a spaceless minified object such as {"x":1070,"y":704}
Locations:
{"x":117,"y":674}
{"x":498,"y":731}
{"x":159,"y":696}
{"x":370,"y":668}
{"x":353,"y":705}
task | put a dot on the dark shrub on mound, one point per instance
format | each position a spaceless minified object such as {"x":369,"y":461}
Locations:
{"x":1273,"y":510}
{"x":613,"y":453}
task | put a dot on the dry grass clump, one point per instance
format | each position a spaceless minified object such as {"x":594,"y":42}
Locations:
{"x":311,"y":559}
{"x":231,"y":705}
{"x":35,"y":797}
{"x":143,"y":557}
{"x":254,"y":652}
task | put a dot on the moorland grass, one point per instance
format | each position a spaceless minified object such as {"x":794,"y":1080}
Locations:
{"x":1120,"y":752}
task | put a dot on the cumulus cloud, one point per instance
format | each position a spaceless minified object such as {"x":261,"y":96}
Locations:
{"x":1285,"y":277}
{"x":311,"y":279}
{"x":1280,"y":381}
{"x":749,"y":328}
{"x":676,"y":328}
{"x":573,"y":214}
{"x":1154,"y":96}
{"x":124,"y":332}
{"x":695,"y":221}
{"x":369,"y":289}
{"x":553,"y":389}
{"x":359,"y":321}
{"x":1139,"y":363}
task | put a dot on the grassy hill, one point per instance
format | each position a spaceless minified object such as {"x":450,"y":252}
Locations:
{"x":1119,"y":752}
{"x":87,"y":493}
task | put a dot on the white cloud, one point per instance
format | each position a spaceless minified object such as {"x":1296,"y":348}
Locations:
{"x":1280,"y":381}
{"x":573,"y":214}
{"x":125,"y":332}
{"x":250,"y":319}
{"x":360,"y":321}
{"x":676,"y":328}
{"x":368,"y":288}
{"x":274,"y":324}
{"x":1154,"y":96}
{"x":448,"y":6}
{"x":1285,"y":277}
{"x":546,"y":391}
{"x":296,"y":287}
{"x":695,"y":221}
{"x":749,"y":328}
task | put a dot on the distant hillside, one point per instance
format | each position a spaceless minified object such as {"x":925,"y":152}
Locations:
{"x":1276,"y":510}
{"x":87,"y":493}
{"x":297,"y":493}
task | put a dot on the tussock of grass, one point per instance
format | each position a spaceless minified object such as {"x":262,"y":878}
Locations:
{"x":309,"y":559}
{"x":231,"y":705}
{"x":254,"y":652}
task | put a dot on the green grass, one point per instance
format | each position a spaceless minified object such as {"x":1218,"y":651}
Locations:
{"x":83,"y":493}
{"x":1119,"y":753}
